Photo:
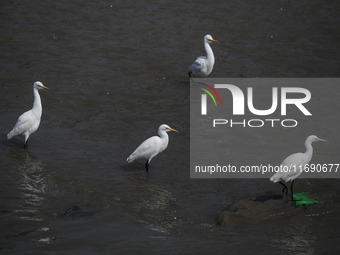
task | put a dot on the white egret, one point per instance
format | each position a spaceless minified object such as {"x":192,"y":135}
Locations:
{"x":152,"y":146}
{"x":29,"y":121}
{"x":203,"y":66}
{"x":293,"y":165}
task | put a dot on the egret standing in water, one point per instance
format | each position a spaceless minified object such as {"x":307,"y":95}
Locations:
{"x":152,"y":146}
{"x":293,"y":166}
{"x":203,"y":66}
{"x":29,"y":121}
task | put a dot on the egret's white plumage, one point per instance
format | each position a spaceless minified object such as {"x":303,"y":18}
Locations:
{"x":203,"y":66}
{"x":293,"y":165}
{"x":29,"y":121}
{"x":152,"y":146}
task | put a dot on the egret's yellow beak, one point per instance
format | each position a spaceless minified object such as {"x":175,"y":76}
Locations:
{"x":173,"y":130}
{"x":322,"y":140}
{"x":213,"y":40}
{"x":45,"y":87}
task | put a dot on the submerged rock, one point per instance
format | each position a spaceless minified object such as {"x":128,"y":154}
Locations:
{"x":76,"y":209}
{"x":253,"y":210}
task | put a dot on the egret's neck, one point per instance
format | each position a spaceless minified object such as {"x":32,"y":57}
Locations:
{"x":309,"y":150}
{"x":165,"y":139}
{"x":162,"y":134}
{"x":210,"y":54}
{"x":37,"y":109}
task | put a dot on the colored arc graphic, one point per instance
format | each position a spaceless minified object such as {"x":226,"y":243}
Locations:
{"x":208,"y":94}
{"x":208,"y":86}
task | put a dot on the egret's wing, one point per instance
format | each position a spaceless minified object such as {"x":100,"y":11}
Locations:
{"x":294,"y":160}
{"x":290,"y":168}
{"x":146,"y":149}
{"x":23,"y":124}
{"x":198,"y":65}
{"x":293,"y":165}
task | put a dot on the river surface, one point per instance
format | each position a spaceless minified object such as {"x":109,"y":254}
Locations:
{"x":116,"y":71}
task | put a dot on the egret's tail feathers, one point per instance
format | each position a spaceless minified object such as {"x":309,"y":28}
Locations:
{"x":130,"y":158}
{"x":274,"y":178}
{"x":10,"y":135}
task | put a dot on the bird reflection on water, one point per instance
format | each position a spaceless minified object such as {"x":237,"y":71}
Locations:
{"x":33,"y":181}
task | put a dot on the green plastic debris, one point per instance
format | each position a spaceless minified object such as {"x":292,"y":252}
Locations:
{"x":302,"y":200}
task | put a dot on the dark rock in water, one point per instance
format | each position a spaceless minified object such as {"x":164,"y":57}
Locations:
{"x":73,"y":210}
{"x":250,"y":211}
{"x":265,"y":198}
{"x":78,"y":211}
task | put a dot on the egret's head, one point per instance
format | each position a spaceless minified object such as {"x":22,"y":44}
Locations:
{"x":39,"y":85}
{"x":166,"y":128}
{"x":314,"y":138}
{"x":209,"y":39}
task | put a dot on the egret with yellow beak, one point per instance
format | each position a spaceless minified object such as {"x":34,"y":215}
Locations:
{"x":203,"y":66}
{"x":152,"y":146}
{"x":29,"y":121}
{"x":293,"y":165}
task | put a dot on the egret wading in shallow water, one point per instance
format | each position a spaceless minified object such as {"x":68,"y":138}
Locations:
{"x":152,"y":146}
{"x":29,"y":121}
{"x":293,"y":165}
{"x":203,"y":66}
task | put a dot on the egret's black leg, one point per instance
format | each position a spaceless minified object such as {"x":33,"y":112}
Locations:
{"x":190,"y":74}
{"x":284,"y":188}
{"x":291,"y":190}
{"x":147,"y":165}
{"x":26,"y":144}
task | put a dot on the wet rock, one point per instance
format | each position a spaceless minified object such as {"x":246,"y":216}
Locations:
{"x":78,"y":211}
{"x":74,"y":210}
{"x":253,"y":210}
